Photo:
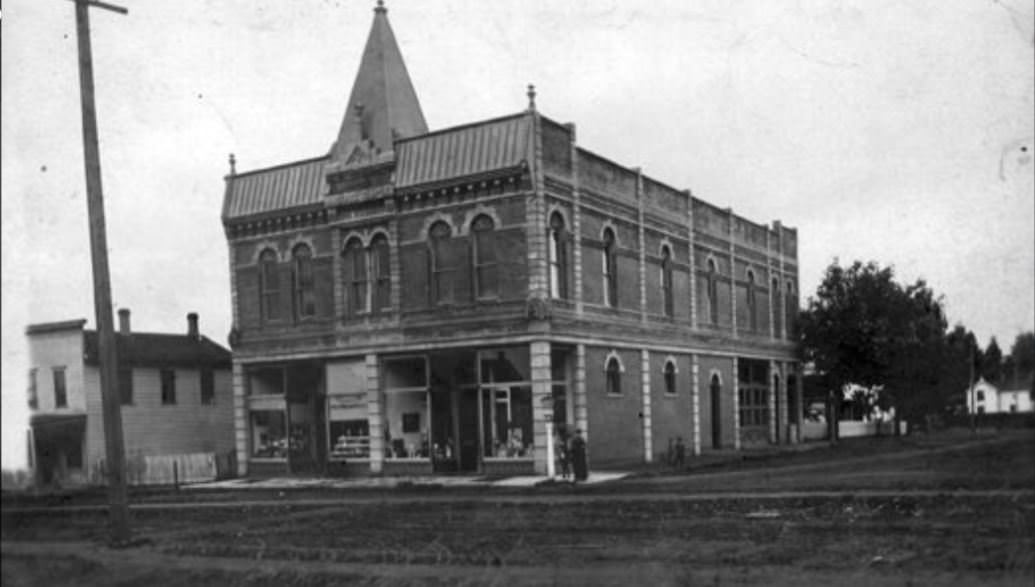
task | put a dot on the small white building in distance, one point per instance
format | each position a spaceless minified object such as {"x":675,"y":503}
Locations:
{"x":985,"y":398}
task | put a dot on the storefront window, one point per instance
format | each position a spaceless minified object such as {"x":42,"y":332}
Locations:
{"x":406,"y":425}
{"x":349,"y":428}
{"x":269,"y":438}
{"x":507,"y":422}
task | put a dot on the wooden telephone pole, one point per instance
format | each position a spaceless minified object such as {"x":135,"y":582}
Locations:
{"x":118,"y":503}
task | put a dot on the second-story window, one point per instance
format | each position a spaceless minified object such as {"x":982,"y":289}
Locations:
{"x":381,"y":270}
{"x":483,"y":241}
{"x":774,"y":303}
{"x":60,"y":391}
{"x":305,"y":299}
{"x":126,"y":385}
{"x":168,"y":383}
{"x":442,"y":267}
{"x":558,"y":257}
{"x":792,"y":310}
{"x":752,"y":302}
{"x":355,"y":267}
{"x":610,"y":269}
{"x":207,"y":382}
{"x":269,"y":285}
{"x":666,"y":280}
{"x":34,"y":399}
{"x":713,"y":291}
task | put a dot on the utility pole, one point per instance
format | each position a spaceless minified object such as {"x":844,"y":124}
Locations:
{"x":117,"y":498}
{"x":970,"y":391}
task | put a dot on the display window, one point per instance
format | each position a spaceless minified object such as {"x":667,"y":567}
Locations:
{"x":507,"y":422}
{"x":406,"y":425}
{"x":269,"y":434}
{"x":348,"y":427}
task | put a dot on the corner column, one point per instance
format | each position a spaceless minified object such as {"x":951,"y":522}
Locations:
{"x":576,"y":228}
{"x":581,"y":406}
{"x":642,"y":243}
{"x":240,"y":417}
{"x":375,"y":417}
{"x":733,"y":285}
{"x":695,"y":402}
{"x":736,"y":403}
{"x":772,"y":403}
{"x":648,"y":441}
{"x":541,"y":389}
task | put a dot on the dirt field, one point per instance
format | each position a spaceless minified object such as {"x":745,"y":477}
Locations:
{"x":936,"y":511}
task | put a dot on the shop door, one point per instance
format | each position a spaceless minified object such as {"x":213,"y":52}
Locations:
{"x":468,"y":429}
{"x":716,"y":393}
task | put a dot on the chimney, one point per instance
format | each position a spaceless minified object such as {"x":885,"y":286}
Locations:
{"x":124,"y":321}
{"x":192,"y":326}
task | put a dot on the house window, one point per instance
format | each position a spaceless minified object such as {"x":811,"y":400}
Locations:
{"x":355,"y":266}
{"x":381,"y":269}
{"x":126,"y":386}
{"x":558,"y":257}
{"x":613,"y":374}
{"x":666,"y":279}
{"x":208,"y":386}
{"x":441,"y":267}
{"x":713,"y":291}
{"x":168,"y":378}
{"x":608,"y":259}
{"x":670,"y":378}
{"x":269,"y":285}
{"x":752,"y":302}
{"x":484,"y":242}
{"x":60,"y":392}
{"x":980,"y":396}
{"x":305,"y":300}
{"x":34,"y":400}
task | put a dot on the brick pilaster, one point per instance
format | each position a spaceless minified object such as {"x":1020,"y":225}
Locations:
{"x":733,"y":279}
{"x":375,"y":414}
{"x":736,"y":403}
{"x":642,"y":243}
{"x":695,"y":402}
{"x":240,"y":391}
{"x":771,"y":401}
{"x":541,"y":389}
{"x":576,"y":227}
{"x":581,"y":406}
{"x":692,"y":258}
{"x":648,"y":441}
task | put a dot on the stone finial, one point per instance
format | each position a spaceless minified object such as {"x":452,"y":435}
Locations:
{"x":380,"y":8}
{"x":531,"y":97}
{"x":233,"y":164}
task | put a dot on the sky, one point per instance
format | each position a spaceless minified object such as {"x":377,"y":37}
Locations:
{"x":899,"y":132}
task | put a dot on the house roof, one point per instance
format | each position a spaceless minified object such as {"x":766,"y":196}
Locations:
{"x":45,"y":327}
{"x":383,"y":105}
{"x":159,"y":350}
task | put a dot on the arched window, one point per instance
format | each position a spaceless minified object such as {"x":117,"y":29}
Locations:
{"x":713,"y":291}
{"x":666,"y":279}
{"x":483,"y":240}
{"x":355,"y":269}
{"x":792,"y":309}
{"x":558,"y":257}
{"x":610,"y":269}
{"x":774,"y":303}
{"x":269,"y":285}
{"x":305,"y":299}
{"x":670,"y":378}
{"x":381,"y":272}
{"x":613,"y":374}
{"x":752,"y":302}
{"x":441,"y":268}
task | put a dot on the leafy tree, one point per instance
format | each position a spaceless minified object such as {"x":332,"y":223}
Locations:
{"x":1019,"y":366}
{"x":863,"y":327}
{"x":963,"y":363}
{"x":992,"y":363}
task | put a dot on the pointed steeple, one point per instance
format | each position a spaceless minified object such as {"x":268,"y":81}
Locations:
{"x":383,"y":104}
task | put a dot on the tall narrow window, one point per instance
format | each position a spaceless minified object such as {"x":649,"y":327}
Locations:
{"x":305,"y":300}
{"x":354,"y":262}
{"x":713,"y":291}
{"x":752,"y":302}
{"x":382,"y":274}
{"x":792,"y":310}
{"x":670,"y":378}
{"x":34,"y":400}
{"x":270,"y":285}
{"x":613,"y":373}
{"x":126,"y":385}
{"x":60,"y":392}
{"x":441,"y":265}
{"x":610,"y":279}
{"x":168,"y":382}
{"x":774,"y":303}
{"x":208,"y":386}
{"x":483,"y":240}
{"x":558,"y":257}
{"x":666,"y":279}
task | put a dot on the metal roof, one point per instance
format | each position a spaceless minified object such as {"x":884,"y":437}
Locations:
{"x":277,"y":188}
{"x":468,"y":150}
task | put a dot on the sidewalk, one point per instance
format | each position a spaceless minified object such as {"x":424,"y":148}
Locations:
{"x":393,"y":482}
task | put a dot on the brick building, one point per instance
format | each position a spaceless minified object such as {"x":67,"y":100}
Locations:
{"x":175,"y":396}
{"x":415,"y":301}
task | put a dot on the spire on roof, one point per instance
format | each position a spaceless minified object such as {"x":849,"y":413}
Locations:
{"x":383,"y":104}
